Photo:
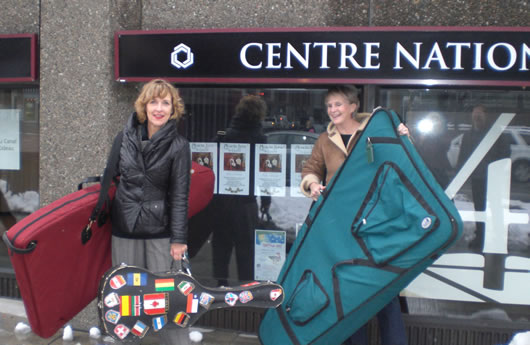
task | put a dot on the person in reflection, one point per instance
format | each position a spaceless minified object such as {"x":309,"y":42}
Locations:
{"x":309,"y":125}
{"x":6,"y":217}
{"x":481,"y":122}
{"x":237,"y":215}
{"x":150,"y":210}
{"x":329,"y":152}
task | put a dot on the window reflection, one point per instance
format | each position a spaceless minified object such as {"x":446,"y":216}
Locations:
{"x":19,"y":171}
{"x":293,"y":121}
{"x":476,"y":277}
{"x":474,"y":143}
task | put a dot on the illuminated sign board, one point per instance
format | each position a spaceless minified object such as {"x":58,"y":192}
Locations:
{"x":374,"y":55}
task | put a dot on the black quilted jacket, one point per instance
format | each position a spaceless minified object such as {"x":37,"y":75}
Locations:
{"x":152,"y":196}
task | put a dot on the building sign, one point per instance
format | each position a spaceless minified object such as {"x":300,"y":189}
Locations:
{"x":374,"y":55}
{"x":18,"y":58}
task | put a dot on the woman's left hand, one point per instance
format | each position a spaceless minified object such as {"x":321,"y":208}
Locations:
{"x":402,"y":129}
{"x":177,"y":250}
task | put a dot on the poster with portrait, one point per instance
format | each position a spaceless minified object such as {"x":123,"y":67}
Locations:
{"x":10,"y":139}
{"x":234,"y":169}
{"x":269,"y":254}
{"x":300,"y":153}
{"x":270,"y":169}
{"x":205,"y":154}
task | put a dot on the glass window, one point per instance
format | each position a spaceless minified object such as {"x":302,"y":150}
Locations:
{"x":19,"y":157}
{"x":222,"y":239}
{"x":484,"y":273}
{"x":474,"y":143}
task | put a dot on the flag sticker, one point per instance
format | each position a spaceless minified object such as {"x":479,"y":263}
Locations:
{"x":117,"y":282}
{"x":125,"y":306}
{"x":186,"y":287}
{"x":181,"y":319}
{"x":112,"y":300}
{"x":156,"y":303}
{"x":139,"y":329}
{"x":206,"y":300}
{"x":130,"y":305}
{"x":193,"y":304}
{"x":121,"y":331}
{"x":250,"y":284}
{"x":275,"y":293}
{"x":164,"y":285}
{"x":112,"y":316}
{"x":136,"y":306}
{"x":159,"y":322}
{"x":231,"y":299}
{"x":136,"y":279}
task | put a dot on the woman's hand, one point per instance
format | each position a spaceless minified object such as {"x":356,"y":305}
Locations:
{"x":177,"y":250}
{"x":316,"y":189}
{"x":403,"y":130}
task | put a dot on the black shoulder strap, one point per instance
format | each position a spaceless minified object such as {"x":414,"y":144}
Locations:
{"x":108,"y":174}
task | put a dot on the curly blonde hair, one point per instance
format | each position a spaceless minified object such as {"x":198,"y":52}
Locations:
{"x":158,"y":88}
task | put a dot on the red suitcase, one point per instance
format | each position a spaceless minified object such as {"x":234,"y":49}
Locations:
{"x":56,"y":273}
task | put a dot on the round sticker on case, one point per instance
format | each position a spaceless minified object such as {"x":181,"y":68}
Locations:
{"x":112,"y":316}
{"x":112,"y":300}
{"x":121,"y":331}
{"x":426,"y":222}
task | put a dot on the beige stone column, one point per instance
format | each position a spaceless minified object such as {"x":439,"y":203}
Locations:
{"x":82,"y":107}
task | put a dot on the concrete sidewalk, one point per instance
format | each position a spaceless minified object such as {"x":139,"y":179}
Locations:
{"x":12,"y":313}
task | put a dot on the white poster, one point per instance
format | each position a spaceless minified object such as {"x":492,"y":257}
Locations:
{"x":300,"y":153}
{"x":205,"y":154}
{"x":234,"y":170}
{"x":270,"y":249}
{"x":10,"y":139}
{"x":270,"y":169}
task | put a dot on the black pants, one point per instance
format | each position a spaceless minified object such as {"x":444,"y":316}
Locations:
{"x":478,"y":191}
{"x":236,"y":221}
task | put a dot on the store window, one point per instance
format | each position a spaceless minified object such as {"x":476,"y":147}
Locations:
{"x":476,"y":143}
{"x":484,"y":273}
{"x":220,"y":250}
{"x":19,"y":157}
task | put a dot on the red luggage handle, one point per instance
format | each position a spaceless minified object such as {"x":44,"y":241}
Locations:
{"x":31,"y":245}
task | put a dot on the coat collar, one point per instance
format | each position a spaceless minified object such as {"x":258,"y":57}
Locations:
{"x":162,"y":136}
{"x":335,"y":137}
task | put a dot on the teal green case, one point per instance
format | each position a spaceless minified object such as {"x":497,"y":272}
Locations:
{"x":382,"y":220}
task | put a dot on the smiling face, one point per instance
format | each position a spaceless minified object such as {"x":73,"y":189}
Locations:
{"x":340,"y":110}
{"x":158,"y":112}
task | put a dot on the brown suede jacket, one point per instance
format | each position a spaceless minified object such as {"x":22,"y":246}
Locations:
{"x":328,"y":155}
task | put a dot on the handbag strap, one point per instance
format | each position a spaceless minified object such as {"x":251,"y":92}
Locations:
{"x":108,"y":174}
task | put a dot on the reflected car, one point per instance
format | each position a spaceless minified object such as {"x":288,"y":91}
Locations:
{"x":520,"y":152}
{"x":519,"y":147}
{"x":269,"y":122}
{"x":291,"y":137}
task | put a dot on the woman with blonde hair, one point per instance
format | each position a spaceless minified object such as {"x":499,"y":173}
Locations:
{"x":150,"y":208}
